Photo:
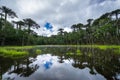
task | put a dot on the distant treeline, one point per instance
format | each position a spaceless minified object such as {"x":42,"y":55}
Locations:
{"x":104,"y":30}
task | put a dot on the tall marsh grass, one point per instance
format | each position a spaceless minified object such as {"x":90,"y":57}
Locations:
{"x":12,"y":53}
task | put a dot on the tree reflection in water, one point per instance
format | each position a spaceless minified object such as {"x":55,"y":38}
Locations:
{"x":103,"y":62}
{"x":23,"y":68}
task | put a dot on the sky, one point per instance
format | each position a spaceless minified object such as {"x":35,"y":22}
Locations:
{"x":54,"y":14}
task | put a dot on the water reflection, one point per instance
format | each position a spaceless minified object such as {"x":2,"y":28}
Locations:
{"x":64,"y":64}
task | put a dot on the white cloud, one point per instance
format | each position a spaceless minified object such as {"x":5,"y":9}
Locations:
{"x":28,"y":7}
{"x":60,"y":13}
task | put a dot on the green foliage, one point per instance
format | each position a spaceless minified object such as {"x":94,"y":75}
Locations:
{"x":38,"y":51}
{"x":78,"y":52}
{"x":117,"y":51}
{"x":12,"y":53}
{"x":18,"y":47}
{"x":104,"y":47}
{"x":104,"y":30}
{"x":69,"y":53}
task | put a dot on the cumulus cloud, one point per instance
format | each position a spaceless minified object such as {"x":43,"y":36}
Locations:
{"x":60,"y":13}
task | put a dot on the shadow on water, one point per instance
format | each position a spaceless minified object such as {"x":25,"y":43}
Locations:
{"x":63,"y":63}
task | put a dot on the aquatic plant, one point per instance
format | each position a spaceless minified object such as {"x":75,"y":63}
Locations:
{"x":78,"y":52}
{"x":38,"y":51}
{"x":69,"y":53}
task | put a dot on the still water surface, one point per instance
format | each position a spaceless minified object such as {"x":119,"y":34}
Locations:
{"x":63,"y":63}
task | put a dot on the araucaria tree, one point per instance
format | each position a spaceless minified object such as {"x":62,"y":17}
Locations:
{"x":6,"y":12}
{"x":30,"y":24}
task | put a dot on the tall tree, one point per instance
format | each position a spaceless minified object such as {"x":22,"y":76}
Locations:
{"x":61,"y":31}
{"x":74,"y":27}
{"x":1,"y":15}
{"x":7,"y":12}
{"x":30,"y":24}
{"x":79,"y":26}
{"x":116,"y":13}
{"x":89,"y":22}
{"x":19,"y":24}
{"x":1,"y":20}
{"x":89,"y":31}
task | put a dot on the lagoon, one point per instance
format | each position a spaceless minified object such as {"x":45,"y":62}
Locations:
{"x":62,"y":63}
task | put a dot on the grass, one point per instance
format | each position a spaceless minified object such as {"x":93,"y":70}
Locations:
{"x":13,"y":53}
{"x":94,"y":46}
{"x":16,"y":51}
{"x":18,"y":47}
{"x":104,"y":47}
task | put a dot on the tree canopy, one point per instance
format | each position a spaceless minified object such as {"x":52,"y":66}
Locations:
{"x":103,"y":30}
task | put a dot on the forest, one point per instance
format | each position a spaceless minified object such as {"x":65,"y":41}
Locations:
{"x":104,"y":30}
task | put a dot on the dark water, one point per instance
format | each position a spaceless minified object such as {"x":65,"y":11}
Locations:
{"x":63,"y":63}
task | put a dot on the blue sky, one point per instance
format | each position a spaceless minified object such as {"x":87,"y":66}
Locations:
{"x":48,"y":26}
{"x":60,"y":13}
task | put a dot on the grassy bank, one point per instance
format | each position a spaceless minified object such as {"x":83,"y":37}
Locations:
{"x":12,"y":53}
{"x":17,"y":51}
{"x":17,"y":47}
{"x":93,"y":46}
{"x":21,"y":51}
{"x":37,"y":46}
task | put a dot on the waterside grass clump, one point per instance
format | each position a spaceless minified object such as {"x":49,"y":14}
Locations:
{"x":38,"y":51}
{"x":104,"y":47}
{"x":18,"y":51}
{"x":69,"y":53}
{"x":12,"y":53}
{"x":18,"y":47}
{"x":78,"y":52}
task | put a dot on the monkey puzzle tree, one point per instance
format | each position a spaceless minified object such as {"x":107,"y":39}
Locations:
{"x":6,"y":12}
{"x":31,"y":24}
